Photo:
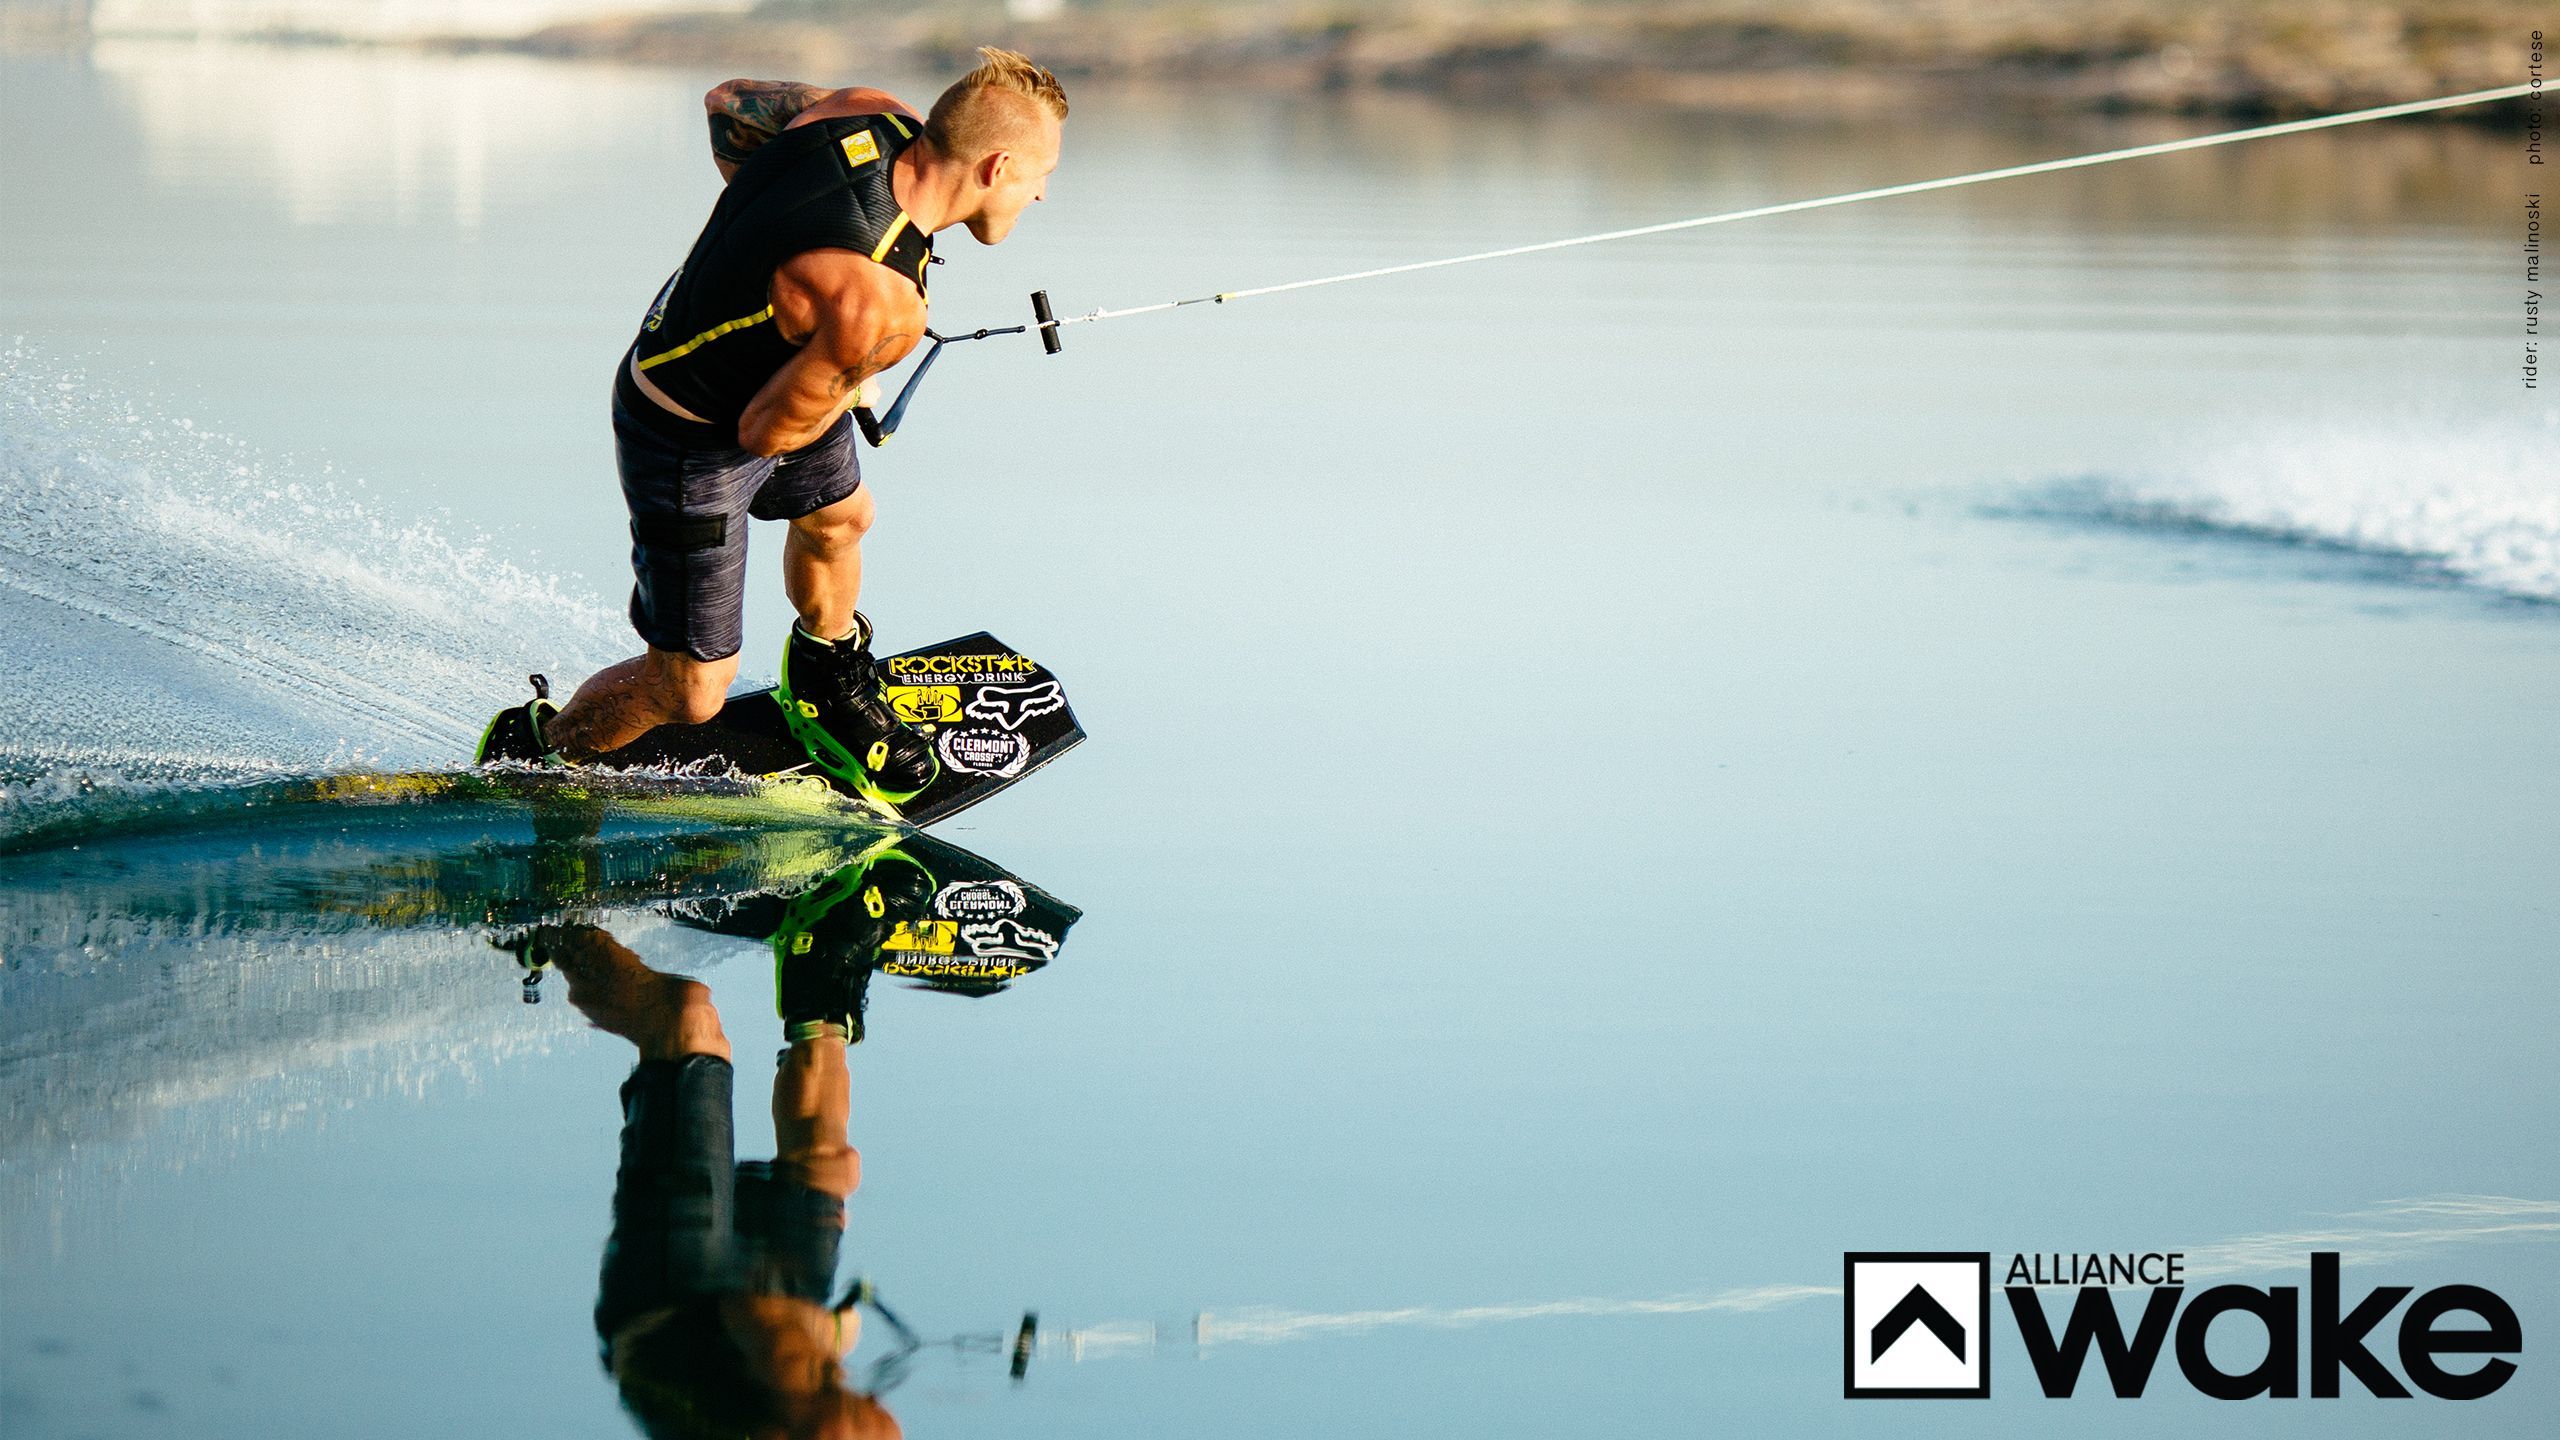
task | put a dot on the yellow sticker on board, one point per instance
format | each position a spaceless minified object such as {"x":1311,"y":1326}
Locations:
{"x":924,"y":937}
{"x":916,"y":704}
{"x":861,"y":147}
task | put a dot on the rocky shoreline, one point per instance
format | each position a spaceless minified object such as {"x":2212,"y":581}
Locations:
{"x":2247,"y":60}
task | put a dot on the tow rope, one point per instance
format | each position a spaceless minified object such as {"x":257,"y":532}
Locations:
{"x":2010,"y":172}
{"x":1048,"y":326}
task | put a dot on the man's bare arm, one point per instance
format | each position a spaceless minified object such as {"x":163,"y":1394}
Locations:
{"x":746,"y":113}
{"x":866,"y":318}
{"x":854,"y":100}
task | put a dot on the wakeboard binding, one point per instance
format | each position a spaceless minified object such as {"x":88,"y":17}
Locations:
{"x":531,"y":949}
{"x":515,"y":733}
{"x":835,"y":703}
{"x":833,"y":935}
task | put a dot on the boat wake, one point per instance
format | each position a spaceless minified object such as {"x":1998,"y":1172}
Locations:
{"x":2478,"y":507}
{"x":187,"y":613}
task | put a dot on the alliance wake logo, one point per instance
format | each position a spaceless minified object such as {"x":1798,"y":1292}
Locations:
{"x":1917,"y":1325}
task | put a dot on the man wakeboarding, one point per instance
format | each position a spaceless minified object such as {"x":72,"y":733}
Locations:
{"x":735,"y":401}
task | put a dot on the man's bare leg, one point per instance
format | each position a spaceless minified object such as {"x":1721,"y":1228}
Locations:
{"x":822,"y":574}
{"x":621,"y":703}
{"x":822,"y":564}
{"x":812,"y":1107}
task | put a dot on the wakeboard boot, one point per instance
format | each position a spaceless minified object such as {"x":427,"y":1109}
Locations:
{"x":830,"y":693}
{"x":834,"y":934}
{"x":515,"y":733}
{"x":531,"y":961}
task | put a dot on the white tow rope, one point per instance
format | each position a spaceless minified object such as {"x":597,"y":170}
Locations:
{"x":2041,"y":167}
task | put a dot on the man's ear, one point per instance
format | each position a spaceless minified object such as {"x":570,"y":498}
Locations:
{"x":992,"y":167}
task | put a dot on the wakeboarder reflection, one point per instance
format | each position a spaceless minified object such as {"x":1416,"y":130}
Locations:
{"x":712,"y":1311}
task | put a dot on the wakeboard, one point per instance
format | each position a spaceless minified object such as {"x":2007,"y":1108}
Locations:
{"x":993,"y":714}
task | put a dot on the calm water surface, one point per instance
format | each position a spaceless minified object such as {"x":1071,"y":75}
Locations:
{"x":2018,"y":719}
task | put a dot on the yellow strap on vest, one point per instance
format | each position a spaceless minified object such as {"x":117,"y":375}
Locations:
{"x":716,"y":331}
{"x":897,"y":227}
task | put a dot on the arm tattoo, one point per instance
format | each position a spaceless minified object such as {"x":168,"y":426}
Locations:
{"x":747,"y":113}
{"x":850,"y":379}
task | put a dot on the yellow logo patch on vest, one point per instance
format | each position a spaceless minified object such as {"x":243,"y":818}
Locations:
{"x":861,"y":148}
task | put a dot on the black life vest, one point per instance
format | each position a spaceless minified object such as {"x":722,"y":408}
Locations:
{"x":710,"y":341}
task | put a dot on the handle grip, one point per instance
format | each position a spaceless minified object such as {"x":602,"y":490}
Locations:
{"x":1040,"y":311}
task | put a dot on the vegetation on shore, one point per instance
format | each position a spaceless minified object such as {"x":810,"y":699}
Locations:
{"x":2242,"y":58}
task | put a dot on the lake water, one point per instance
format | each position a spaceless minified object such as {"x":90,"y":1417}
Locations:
{"x":2018,"y":719}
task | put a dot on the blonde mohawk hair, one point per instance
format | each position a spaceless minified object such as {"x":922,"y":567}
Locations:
{"x":984,"y":109}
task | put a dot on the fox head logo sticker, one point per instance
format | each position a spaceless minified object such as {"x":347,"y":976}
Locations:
{"x":1011,"y":705}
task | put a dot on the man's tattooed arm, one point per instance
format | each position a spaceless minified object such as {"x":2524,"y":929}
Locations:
{"x":747,"y":113}
{"x":852,"y":380}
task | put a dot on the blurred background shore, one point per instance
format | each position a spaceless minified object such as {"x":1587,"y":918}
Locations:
{"x":2239,"y":58}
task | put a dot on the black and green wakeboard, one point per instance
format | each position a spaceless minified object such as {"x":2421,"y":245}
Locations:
{"x":993,"y":714}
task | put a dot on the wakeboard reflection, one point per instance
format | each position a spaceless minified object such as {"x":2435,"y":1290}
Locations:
{"x":224,"y":979}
